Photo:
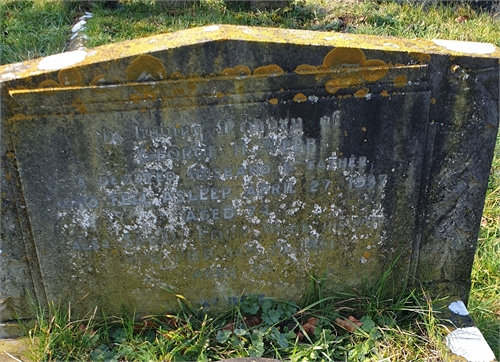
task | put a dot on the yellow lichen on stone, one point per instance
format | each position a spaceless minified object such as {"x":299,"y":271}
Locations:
{"x":334,"y":85}
{"x":343,"y":56}
{"x":375,"y":70}
{"x":384,"y":93}
{"x":306,"y":69}
{"x":299,"y":98}
{"x":352,"y":63}
{"x":400,"y":81}
{"x":70,"y":77}
{"x":49,"y":83}
{"x":177,"y":76}
{"x":238,"y":71}
{"x":273,"y":101}
{"x":98,"y":79}
{"x":146,"y":67}
{"x":272,"y":70}
{"x":135,"y":98}
{"x":362,"y":93}
{"x":433,"y":100}
{"x":80,"y":107}
{"x":219,"y":94}
{"x":421,"y":57}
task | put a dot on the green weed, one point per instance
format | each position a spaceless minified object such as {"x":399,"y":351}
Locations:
{"x":379,"y":323}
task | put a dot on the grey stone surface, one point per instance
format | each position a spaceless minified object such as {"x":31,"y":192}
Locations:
{"x":228,"y":160}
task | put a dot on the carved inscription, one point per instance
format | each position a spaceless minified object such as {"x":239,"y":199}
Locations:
{"x":193,"y":181}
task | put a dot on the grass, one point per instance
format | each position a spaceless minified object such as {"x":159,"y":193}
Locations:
{"x":378,"y":324}
{"x":396,"y":327}
{"x":37,"y":28}
{"x":484,"y":302}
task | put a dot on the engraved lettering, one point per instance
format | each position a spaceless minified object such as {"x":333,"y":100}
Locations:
{"x":228,"y":213}
{"x":314,"y":186}
{"x":81,"y":183}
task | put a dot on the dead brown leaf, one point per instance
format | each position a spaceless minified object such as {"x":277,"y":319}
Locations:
{"x":252,"y":321}
{"x":350,"y":324}
{"x":249,"y":322}
{"x":309,"y":326}
{"x":228,"y":327}
{"x":461,"y":19}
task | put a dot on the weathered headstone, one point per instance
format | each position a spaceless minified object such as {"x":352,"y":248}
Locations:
{"x":226,"y":160}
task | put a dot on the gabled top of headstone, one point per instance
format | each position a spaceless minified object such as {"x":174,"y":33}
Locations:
{"x":227,"y":160}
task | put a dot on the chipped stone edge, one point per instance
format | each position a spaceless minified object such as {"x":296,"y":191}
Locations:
{"x":468,"y":342}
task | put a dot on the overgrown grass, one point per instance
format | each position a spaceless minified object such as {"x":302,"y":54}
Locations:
{"x":31,"y":29}
{"x":379,"y":324}
{"x":484,"y":302}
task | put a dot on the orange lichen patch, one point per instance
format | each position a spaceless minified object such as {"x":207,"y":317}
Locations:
{"x":384,"y":93}
{"x":363,"y":129}
{"x":343,"y":56}
{"x":191,"y":86}
{"x":361,"y":93}
{"x":70,"y":77}
{"x":320,"y":76}
{"x":135,"y":98}
{"x":268,"y":70}
{"x":177,"y":76}
{"x":11,"y":156}
{"x":219,"y":94}
{"x":80,"y":107}
{"x":98,"y":79}
{"x":178,"y":91}
{"x":333,"y":85}
{"x":433,"y":100}
{"x":148,"y":96}
{"x":366,"y":255}
{"x":7,"y":176}
{"x":273,"y":101}
{"x":454,"y":68}
{"x":146,"y":67}
{"x":49,"y":83}
{"x":299,"y":98}
{"x":375,"y":70}
{"x":421,"y":57}
{"x":238,"y":71}
{"x":306,"y":69}
{"x":15,"y":118}
{"x":400,"y":81}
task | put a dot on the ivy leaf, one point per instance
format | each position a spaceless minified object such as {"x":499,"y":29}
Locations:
{"x":271,"y":317}
{"x":256,"y":349}
{"x":368,"y":323}
{"x":240,"y":332}
{"x":222,"y":336}
{"x":278,"y":337}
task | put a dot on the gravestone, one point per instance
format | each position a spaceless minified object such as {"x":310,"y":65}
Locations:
{"x":224,"y":161}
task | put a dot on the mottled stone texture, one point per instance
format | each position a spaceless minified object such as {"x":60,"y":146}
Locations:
{"x":227,"y":160}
